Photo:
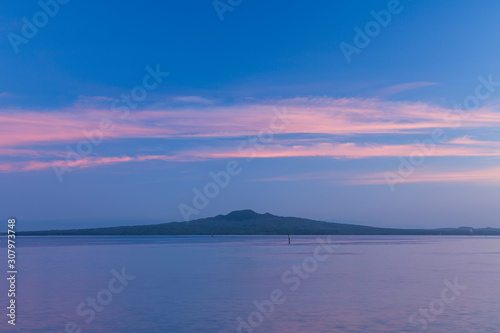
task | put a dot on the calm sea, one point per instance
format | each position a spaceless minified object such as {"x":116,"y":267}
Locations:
{"x":255,"y":284}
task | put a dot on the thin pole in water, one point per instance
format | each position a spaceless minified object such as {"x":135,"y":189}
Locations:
{"x":288,"y":239}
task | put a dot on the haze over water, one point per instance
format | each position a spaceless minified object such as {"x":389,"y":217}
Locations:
{"x":203,"y":284}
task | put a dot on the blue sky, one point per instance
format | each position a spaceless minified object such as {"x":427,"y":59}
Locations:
{"x":347,"y":125}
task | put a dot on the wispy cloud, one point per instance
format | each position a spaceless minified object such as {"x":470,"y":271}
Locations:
{"x":481,"y":175}
{"x":316,"y":120}
{"x":92,"y":99}
{"x":346,"y":117}
{"x":477,"y":175}
{"x":85,"y":162}
{"x":194,"y":100}
{"x":468,"y":140}
{"x":396,"y":89}
{"x":328,"y":150}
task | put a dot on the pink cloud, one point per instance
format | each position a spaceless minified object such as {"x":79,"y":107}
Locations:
{"x":332,"y":150}
{"x":484,"y":175}
{"x":347,"y":150}
{"x":313,"y":116}
{"x":480,"y":175}
{"x":345,"y":117}
{"x":87,"y":162}
{"x":28,"y":152}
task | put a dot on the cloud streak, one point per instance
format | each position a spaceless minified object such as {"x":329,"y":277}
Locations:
{"x":481,"y":175}
{"x":348,"y":150}
{"x":396,"y":89}
{"x":346,"y":117}
{"x":29,"y":135}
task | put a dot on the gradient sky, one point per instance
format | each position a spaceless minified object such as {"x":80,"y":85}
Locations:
{"x":348,"y":126}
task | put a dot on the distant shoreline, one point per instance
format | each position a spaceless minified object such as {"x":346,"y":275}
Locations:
{"x":250,"y":223}
{"x":49,"y":233}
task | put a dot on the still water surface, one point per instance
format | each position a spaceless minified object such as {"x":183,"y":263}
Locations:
{"x":204,"y":284}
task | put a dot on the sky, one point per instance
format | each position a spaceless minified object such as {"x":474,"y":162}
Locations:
{"x":383,"y":113}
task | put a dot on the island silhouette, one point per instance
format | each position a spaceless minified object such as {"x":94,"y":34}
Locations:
{"x":248,"y":222}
